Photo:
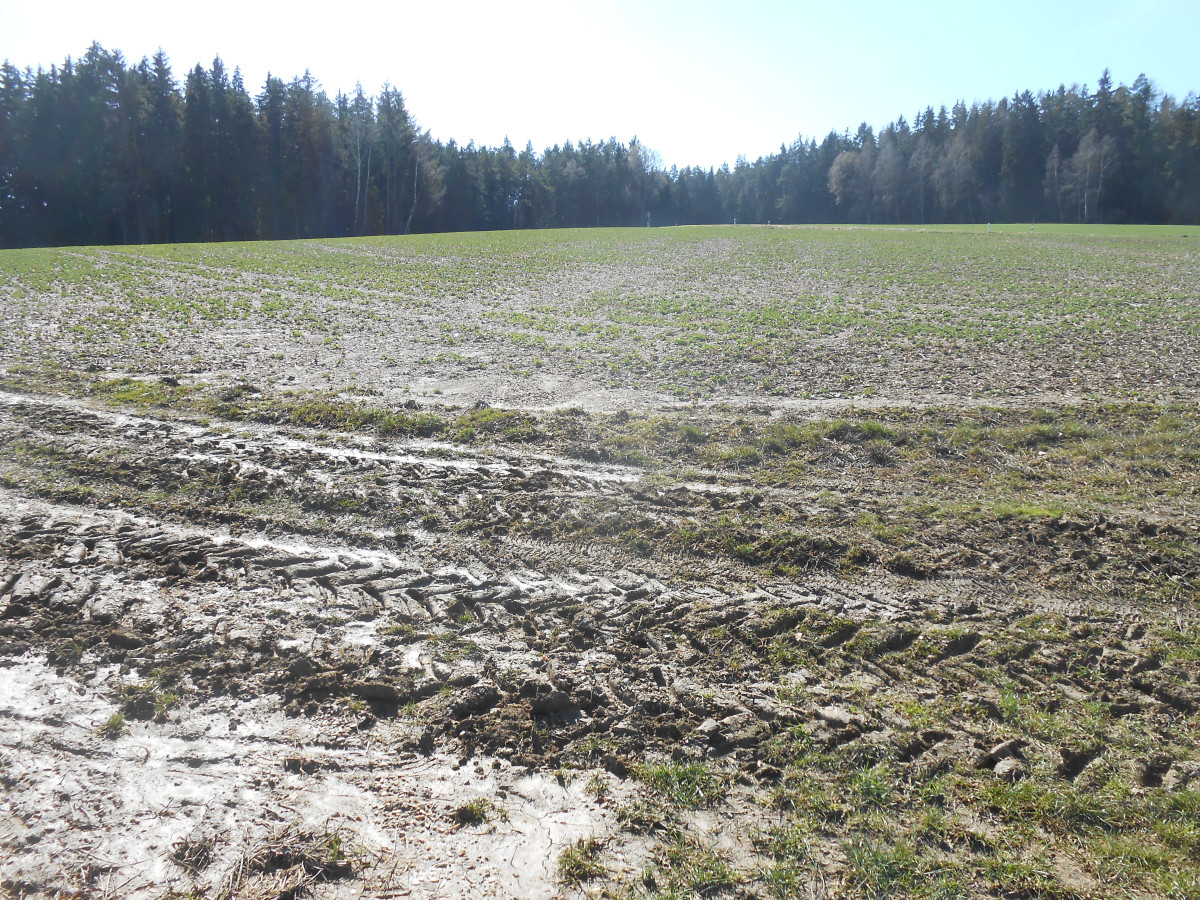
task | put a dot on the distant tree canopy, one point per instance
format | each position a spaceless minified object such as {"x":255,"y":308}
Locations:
{"x":99,"y":151}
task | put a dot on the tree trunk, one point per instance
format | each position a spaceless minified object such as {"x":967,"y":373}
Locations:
{"x":367,"y":200}
{"x":412,"y":209}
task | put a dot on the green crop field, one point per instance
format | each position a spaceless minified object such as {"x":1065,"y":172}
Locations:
{"x":691,"y":313}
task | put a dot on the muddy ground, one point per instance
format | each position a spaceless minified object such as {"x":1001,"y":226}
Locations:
{"x":260,"y":639}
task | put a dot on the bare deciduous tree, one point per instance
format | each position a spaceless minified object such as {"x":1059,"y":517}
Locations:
{"x":954,"y":176}
{"x":1052,"y":184}
{"x":1086,"y":169}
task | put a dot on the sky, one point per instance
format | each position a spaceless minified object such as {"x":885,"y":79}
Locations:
{"x":698,"y":82}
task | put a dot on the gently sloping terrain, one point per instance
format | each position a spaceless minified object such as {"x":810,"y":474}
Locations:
{"x":261,"y":642}
{"x":628,"y":318}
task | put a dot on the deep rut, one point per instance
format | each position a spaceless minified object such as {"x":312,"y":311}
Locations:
{"x":341,"y":636}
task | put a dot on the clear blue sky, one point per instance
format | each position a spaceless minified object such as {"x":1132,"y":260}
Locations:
{"x":698,"y":81}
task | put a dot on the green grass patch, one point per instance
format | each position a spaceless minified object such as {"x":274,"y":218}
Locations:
{"x":684,"y":784}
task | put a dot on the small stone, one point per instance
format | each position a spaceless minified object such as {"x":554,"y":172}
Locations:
{"x":1002,"y":751}
{"x":1007,"y":748}
{"x":1072,"y":693}
{"x":1010,"y":769}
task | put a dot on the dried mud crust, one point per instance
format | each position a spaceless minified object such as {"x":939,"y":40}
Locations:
{"x":259,"y":662}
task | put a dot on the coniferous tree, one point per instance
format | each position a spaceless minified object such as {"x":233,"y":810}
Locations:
{"x":395,"y":136}
{"x":97,"y":151}
{"x":197,"y":156}
{"x":162,"y":129}
{"x":1022,"y":160}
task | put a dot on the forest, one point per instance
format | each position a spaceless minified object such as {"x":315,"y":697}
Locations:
{"x":101,"y":151}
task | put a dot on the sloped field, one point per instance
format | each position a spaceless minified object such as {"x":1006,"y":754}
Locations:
{"x":729,"y":562}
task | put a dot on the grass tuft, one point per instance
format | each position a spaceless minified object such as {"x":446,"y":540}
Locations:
{"x":580,"y":861}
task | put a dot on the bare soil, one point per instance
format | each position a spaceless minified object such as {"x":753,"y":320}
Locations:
{"x":591,"y":639}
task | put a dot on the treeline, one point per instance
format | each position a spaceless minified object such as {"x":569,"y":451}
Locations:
{"x":100,"y":151}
